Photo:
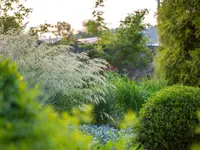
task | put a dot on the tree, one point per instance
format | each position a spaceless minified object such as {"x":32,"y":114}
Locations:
{"x":19,"y":13}
{"x":179,"y":31}
{"x":8,"y":23}
{"x":128,"y":49}
{"x":33,"y":31}
{"x":92,"y":27}
{"x":44,"y":27}
{"x":63,"y":28}
{"x":81,"y":34}
{"x":98,"y":13}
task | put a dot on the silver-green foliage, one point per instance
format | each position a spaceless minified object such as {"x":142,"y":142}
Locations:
{"x":67,"y":78}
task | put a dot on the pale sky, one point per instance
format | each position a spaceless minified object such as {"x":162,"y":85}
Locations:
{"x":76,"y":11}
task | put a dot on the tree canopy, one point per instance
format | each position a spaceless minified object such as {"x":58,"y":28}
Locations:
{"x":12,"y":13}
{"x":93,"y":27}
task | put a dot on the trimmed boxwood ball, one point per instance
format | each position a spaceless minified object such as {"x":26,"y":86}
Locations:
{"x":168,"y":120}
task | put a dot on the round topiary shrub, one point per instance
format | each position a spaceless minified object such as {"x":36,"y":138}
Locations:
{"x":168,"y":120}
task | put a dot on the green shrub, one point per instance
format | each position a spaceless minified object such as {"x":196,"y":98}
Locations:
{"x":128,"y":94}
{"x":149,"y":87}
{"x":105,"y":109}
{"x":168,"y":119}
{"x":179,"y":32}
{"x":131,"y":95}
{"x":25,"y":125}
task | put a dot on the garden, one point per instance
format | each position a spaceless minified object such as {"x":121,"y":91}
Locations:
{"x":52,"y":98}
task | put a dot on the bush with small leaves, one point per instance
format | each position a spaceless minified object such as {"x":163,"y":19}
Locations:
{"x":168,"y":120}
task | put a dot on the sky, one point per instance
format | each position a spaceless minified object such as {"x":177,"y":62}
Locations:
{"x":76,"y":11}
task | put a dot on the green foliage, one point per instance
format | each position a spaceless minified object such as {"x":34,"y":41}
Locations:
{"x":81,"y":34}
{"x":149,"y":87}
{"x":67,"y":79}
{"x":8,"y":23}
{"x":16,"y":7}
{"x":60,"y":28}
{"x":106,"y":111}
{"x":124,"y":47}
{"x":123,"y":94}
{"x":12,"y":14}
{"x":63,"y":28}
{"x":66,"y":41}
{"x":197,"y":146}
{"x":128,"y":49}
{"x":131,"y":95}
{"x":96,"y":51}
{"x":179,"y":30}
{"x":42,"y":28}
{"x":25,"y":125}
{"x":33,"y":31}
{"x":98,"y":13}
{"x":168,"y":119}
{"x":106,"y":37}
{"x":128,"y":94}
{"x":93,"y":28}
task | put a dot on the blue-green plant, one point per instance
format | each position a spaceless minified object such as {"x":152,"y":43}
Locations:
{"x":108,"y":138}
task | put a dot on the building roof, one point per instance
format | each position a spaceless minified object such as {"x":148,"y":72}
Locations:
{"x":49,"y":37}
{"x":152,"y":36}
{"x":88,"y":40}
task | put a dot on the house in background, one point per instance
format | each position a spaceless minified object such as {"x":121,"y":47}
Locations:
{"x":92,"y":40}
{"x":49,"y":37}
{"x":152,"y":35}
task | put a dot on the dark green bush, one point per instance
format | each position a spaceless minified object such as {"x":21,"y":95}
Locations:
{"x":197,"y":146}
{"x":168,"y":119}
